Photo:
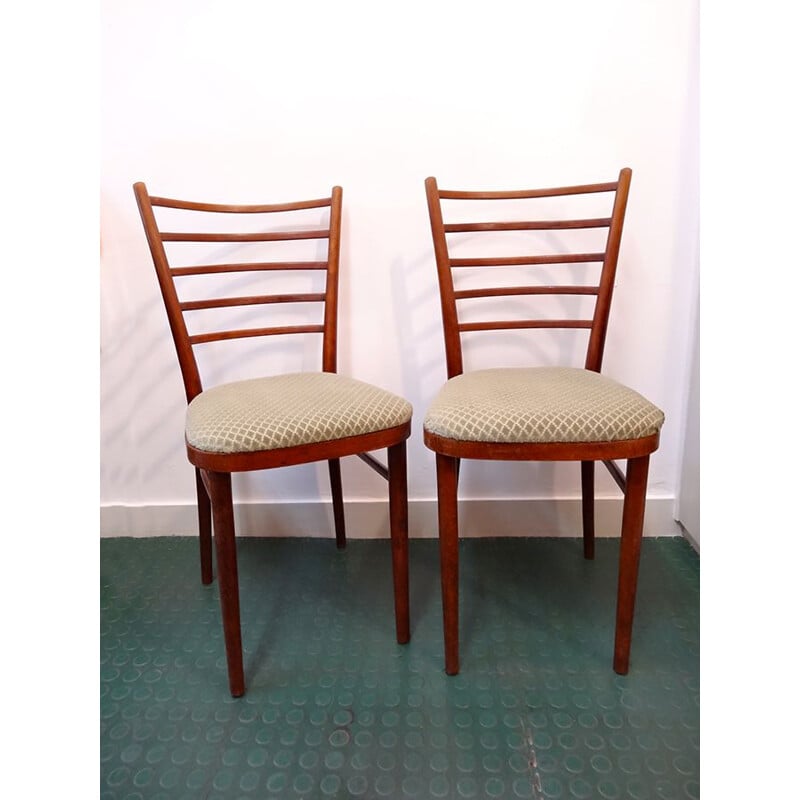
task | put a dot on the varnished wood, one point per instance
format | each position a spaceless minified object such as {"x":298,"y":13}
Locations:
{"x":518,"y":194}
{"x":228,"y":208}
{"x":374,"y":464}
{"x":398,"y":526}
{"x":271,"y":236}
{"x":597,"y":338}
{"x":447,"y":489}
{"x":440,"y":230}
{"x":218,"y":485}
{"x":587,"y":507}
{"x":630,"y":549}
{"x":166,"y":271}
{"x":248,"y":266}
{"x":452,"y":349}
{"x":522,"y":324}
{"x":253,"y":300}
{"x":523,"y":261}
{"x":616,"y":474}
{"x":532,"y":225}
{"x":509,"y":291}
{"x":279,"y":330}
{"x":214,"y":469}
{"x":542,"y":451}
{"x":331,"y":320}
{"x":450,"y":451}
{"x":177,"y":324}
{"x":204,"y":530}
{"x":337,"y":500}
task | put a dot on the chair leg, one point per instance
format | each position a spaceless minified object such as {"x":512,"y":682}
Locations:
{"x":446,"y":479}
{"x":630,"y":548}
{"x":204,"y":528}
{"x":587,"y":493}
{"x":335,"y":471}
{"x":218,"y":485}
{"x":398,"y":520}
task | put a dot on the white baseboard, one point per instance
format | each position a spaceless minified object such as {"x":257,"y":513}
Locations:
{"x":370,"y":519}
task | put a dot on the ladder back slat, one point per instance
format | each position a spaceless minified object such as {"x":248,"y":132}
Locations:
{"x":241,"y":334}
{"x":532,"y":225}
{"x":509,"y":291}
{"x":209,"y":269}
{"x":521,"y":261}
{"x":526,"y":194}
{"x":227,"y":302}
{"x":226,"y":208}
{"x":270,"y":236}
{"x":518,"y":324}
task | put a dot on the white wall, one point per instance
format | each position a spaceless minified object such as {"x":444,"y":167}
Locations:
{"x":254,"y":101}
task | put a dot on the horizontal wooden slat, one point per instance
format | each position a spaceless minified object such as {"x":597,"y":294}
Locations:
{"x":532,"y":225}
{"x":520,"y":261}
{"x":508,"y":291}
{"x":271,"y":236}
{"x":168,"y":202}
{"x":227,"y":302}
{"x":261,"y":266}
{"x":241,"y":334}
{"x":449,"y":194}
{"x":524,"y":323}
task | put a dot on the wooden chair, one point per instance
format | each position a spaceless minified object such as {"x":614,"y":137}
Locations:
{"x":282,"y":419}
{"x":536,"y":413}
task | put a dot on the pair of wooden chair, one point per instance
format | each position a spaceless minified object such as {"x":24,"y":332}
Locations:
{"x":522,"y":413}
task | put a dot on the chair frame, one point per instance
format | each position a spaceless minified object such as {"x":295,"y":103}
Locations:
{"x":213,"y":470}
{"x":449,"y":452}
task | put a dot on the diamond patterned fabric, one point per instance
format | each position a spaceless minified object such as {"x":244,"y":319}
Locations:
{"x":538,"y":405}
{"x":289,"y":410}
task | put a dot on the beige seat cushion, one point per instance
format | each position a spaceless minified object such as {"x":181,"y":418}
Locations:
{"x":289,"y":410}
{"x":540,"y":404}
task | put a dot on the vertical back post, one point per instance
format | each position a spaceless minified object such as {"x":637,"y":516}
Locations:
{"x":191,"y":375}
{"x":452,"y":338}
{"x":597,"y":338}
{"x":329,"y":337}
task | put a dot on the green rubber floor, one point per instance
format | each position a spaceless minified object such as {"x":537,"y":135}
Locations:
{"x":335,"y":708}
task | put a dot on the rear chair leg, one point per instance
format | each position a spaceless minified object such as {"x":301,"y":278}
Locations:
{"x":218,"y":485}
{"x":630,"y":549}
{"x":335,"y":472}
{"x":587,"y":494}
{"x":398,"y":523}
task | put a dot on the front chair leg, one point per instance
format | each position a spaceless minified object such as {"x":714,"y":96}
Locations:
{"x":398,"y":525}
{"x":630,"y":549}
{"x":447,"y":485}
{"x":218,"y":485}
{"x":335,"y":472}
{"x":204,"y":529}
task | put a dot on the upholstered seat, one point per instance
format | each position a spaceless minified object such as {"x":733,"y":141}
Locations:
{"x":540,"y":404}
{"x":289,"y":410}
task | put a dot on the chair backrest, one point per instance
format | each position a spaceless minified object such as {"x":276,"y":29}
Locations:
{"x":274,"y":223}
{"x":548,"y":241}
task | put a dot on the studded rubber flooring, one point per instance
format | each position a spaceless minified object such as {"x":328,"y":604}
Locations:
{"x":335,"y":708}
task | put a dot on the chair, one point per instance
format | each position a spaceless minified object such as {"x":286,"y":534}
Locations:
{"x":283,"y":419}
{"x":536,"y":413}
